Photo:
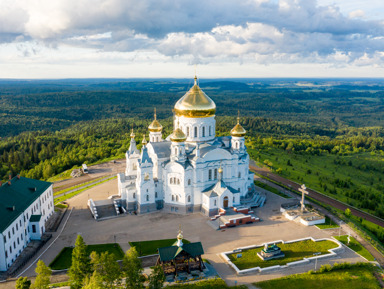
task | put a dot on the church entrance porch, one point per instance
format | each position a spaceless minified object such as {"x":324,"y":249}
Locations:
{"x":225,"y":202}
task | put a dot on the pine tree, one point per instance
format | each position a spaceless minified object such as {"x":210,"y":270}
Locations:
{"x":132,"y":270}
{"x":157,"y":278}
{"x":80,"y":267}
{"x":107,"y":268}
{"x":23,"y":283}
{"x":93,"y":282}
{"x":43,"y":276}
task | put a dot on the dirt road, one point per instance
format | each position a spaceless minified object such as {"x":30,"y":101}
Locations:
{"x":96,"y":171}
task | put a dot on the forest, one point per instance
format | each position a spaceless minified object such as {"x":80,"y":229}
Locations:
{"x":326,"y":133}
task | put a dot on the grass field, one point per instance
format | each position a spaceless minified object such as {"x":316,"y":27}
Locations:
{"x":64,"y":259}
{"x":271,"y":189}
{"x":355,"y":246}
{"x":329,"y":224}
{"x":293,"y":252}
{"x":350,"y":278}
{"x":325,"y":173}
{"x":146,"y":248}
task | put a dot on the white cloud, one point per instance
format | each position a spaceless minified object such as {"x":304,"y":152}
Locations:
{"x":203,"y":31}
{"x":357,"y":14}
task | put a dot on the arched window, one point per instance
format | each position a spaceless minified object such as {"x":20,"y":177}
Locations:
{"x":239,"y":175}
{"x":173,"y":198}
{"x":134,"y":195}
{"x":187,"y":130}
{"x":147,"y":197}
{"x":189,"y":182}
{"x":215,"y":203}
{"x":171,"y":181}
{"x":195,"y":131}
{"x":155,"y":194}
{"x":233,"y":199}
{"x":177,"y":198}
{"x":189,"y":199}
{"x":210,"y":175}
{"x":210,"y":133}
{"x":178,"y":181}
{"x":215,"y":175}
{"x":203,"y":131}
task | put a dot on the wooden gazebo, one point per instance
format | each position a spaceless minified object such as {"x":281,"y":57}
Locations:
{"x":181,"y":257}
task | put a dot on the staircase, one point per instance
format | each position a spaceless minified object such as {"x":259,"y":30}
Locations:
{"x":106,"y":211}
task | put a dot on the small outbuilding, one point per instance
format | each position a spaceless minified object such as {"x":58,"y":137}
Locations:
{"x":181,"y":257}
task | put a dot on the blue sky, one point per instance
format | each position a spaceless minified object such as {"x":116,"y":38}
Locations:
{"x":226,"y":38}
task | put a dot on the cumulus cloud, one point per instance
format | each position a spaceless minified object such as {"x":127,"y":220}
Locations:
{"x":207,"y":30}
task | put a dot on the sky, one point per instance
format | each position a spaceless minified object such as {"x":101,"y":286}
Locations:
{"x":172,"y":38}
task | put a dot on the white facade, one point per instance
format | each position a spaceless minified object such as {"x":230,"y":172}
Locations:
{"x":183,"y":174}
{"x":29,"y":223}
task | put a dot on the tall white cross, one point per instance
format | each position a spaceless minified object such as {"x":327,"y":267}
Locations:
{"x":303,"y":191}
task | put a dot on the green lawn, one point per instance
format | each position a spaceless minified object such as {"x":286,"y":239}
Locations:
{"x":351,"y":278}
{"x":145,"y":248}
{"x":271,"y":189}
{"x":293,"y":252}
{"x":329,"y":224}
{"x":64,"y":259}
{"x":355,"y":246}
{"x":206,"y":284}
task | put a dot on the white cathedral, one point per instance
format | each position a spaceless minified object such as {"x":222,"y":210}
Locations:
{"x":191,"y":170}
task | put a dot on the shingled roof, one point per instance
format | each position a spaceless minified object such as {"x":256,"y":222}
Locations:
{"x":17,"y":197}
{"x":170,"y":253}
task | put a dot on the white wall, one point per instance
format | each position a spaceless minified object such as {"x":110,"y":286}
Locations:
{"x":199,"y":123}
{"x":16,"y":239}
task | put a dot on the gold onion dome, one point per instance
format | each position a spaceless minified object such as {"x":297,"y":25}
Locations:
{"x":155,"y":126}
{"x":178,"y":135}
{"x":144,"y":141}
{"x":238,"y":130}
{"x":132,"y":134}
{"x":195,"y":103}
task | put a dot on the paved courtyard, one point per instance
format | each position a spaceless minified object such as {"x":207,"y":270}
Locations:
{"x":159,"y":225}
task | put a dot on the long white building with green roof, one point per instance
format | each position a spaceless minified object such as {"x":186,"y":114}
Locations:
{"x":25,"y":206}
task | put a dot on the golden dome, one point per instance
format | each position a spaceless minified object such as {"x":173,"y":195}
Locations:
{"x":195,"y":103}
{"x":144,"y":141}
{"x":178,"y":136}
{"x":155,"y":126}
{"x":132,"y":134}
{"x":238,"y":130}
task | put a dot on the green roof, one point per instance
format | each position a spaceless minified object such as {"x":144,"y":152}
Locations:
{"x":17,"y":197}
{"x":35,"y":218}
{"x":170,"y":253}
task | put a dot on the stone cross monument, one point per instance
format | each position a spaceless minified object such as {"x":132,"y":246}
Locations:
{"x":303,"y":191}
